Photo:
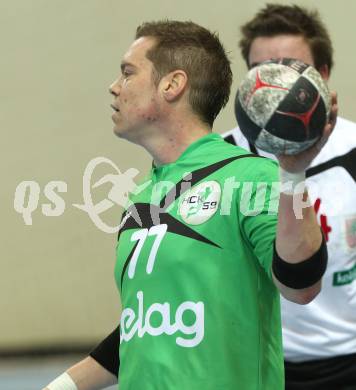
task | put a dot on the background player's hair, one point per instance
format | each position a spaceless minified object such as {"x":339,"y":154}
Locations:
{"x":197,"y":51}
{"x":276,"y":19}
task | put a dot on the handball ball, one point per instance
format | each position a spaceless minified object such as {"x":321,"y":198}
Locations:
{"x":282,"y":106}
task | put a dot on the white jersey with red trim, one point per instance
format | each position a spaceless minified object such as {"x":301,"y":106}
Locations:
{"x":326,"y":327}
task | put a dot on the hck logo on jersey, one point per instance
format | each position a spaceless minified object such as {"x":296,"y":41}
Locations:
{"x":200,"y":203}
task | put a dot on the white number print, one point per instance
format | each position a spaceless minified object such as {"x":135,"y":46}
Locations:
{"x":141,"y":235}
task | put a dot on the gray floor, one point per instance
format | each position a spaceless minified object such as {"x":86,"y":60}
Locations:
{"x":33,"y":374}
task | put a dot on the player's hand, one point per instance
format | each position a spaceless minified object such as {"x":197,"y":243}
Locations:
{"x":301,"y":161}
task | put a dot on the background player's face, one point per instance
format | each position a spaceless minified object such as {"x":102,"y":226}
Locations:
{"x":288,"y":46}
{"x":135,"y":94}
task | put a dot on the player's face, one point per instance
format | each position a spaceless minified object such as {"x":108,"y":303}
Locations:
{"x":287,"y":46}
{"x":135,"y":94}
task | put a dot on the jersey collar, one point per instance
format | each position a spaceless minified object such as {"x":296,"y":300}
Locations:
{"x":203,"y":141}
{"x":206,"y":139}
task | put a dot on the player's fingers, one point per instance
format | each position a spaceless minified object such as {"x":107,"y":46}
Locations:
{"x":329,"y":127}
{"x":326,"y":134}
{"x":333,"y":95}
{"x":334,"y":109}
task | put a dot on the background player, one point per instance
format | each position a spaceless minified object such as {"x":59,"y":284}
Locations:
{"x":319,"y":338}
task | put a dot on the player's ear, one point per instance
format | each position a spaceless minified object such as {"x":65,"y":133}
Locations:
{"x":325,"y":72}
{"x":174,"y":84}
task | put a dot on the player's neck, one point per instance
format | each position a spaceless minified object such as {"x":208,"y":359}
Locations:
{"x":168,"y":144}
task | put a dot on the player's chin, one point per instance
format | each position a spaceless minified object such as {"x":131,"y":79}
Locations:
{"x":118,"y":131}
{"x":118,"y":128}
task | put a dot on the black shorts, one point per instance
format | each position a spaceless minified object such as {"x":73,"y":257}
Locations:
{"x":337,"y":373}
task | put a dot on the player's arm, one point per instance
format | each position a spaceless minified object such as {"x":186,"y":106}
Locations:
{"x":300,"y":254}
{"x":97,"y":371}
{"x":87,"y":374}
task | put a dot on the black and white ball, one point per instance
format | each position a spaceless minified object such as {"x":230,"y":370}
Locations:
{"x":282,"y":106}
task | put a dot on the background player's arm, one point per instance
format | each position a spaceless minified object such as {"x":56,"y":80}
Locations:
{"x":90,"y":375}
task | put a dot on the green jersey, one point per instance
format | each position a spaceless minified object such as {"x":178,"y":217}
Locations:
{"x":200,"y":310}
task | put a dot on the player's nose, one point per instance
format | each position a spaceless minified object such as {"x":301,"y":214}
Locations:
{"x":114,"y":88}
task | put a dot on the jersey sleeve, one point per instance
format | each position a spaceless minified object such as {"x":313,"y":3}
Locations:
{"x":106,"y":353}
{"x":258,"y":207}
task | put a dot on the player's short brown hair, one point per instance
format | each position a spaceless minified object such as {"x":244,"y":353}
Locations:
{"x":276,"y":19}
{"x":199,"y":53}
